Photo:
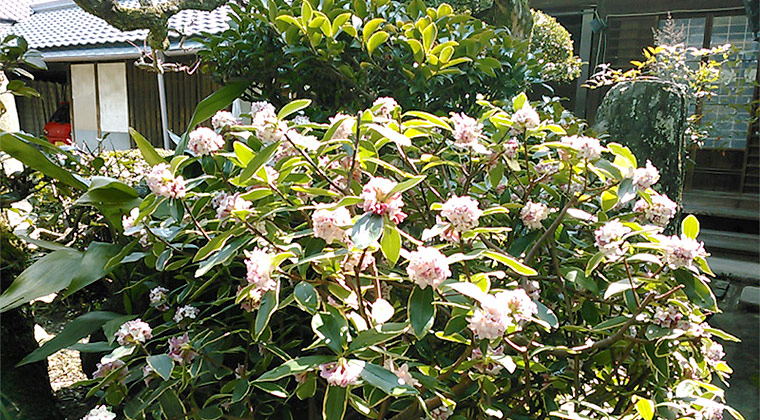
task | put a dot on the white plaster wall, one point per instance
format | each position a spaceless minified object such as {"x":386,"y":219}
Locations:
{"x":85,"y":113}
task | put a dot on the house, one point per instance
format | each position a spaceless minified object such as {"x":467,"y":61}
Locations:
{"x":91,"y":67}
{"x":723,"y":182}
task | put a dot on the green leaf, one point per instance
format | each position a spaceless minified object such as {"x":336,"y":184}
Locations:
{"x":645,"y":408}
{"x":377,"y":335}
{"x":367,"y":230}
{"x":547,"y":315}
{"x":334,"y":406}
{"x":390,"y":244}
{"x":212,"y":412}
{"x":92,"y":266}
{"x":147,"y":150}
{"x":308,"y":388}
{"x":271,"y":387}
{"x":375,"y":40}
{"x":690,"y":227}
{"x":370,"y":28}
{"x":384,"y":379}
{"x":295,"y":366}
{"x":696,"y":290}
{"x":436,"y":121}
{"x":293,"y":106}
{"x":429,"y":36}
{"x":243,"y":153}
{"x":611,"y":323}
{"x":331,"y":328}
{"x":392,"y":135}
{"x":74,"y":331}
{"x":162,"y":364}
{"x":171,"y":405}
{"x":510,"y":262}
{"x":307,"y":297}
{"x":593,"y":263}
{"x":215,"y":244}
{"x":624,"y":152}
{"x":268,"y":306}
{"x":519,"y":102}
{"x":49,"y":274}
{"x":421,"y":310}
{"x":609,"y":200}
{"x":257,"y":162}
{"x":208,"y":107}
{"x":409,"y":183}
{"x":20,"y":149}
{"x":220,"y":257}
{"x":626,"y":191}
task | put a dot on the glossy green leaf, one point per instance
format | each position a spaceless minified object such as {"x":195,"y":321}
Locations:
{"x":510,"y":262}
{"x":421,"y":310}
{"x":162,"y":364}
{"x":20,"y":149}
{"x":377,"y":335}
{"x":334,"y":406}
{"x":645,"y":408}
{"x":74,"y":331}
{"x":49,"y":274}
{"x":257,"y":162}
{"x":307,"y":297}
{"x":93,"y":265}
{"x":698,"y":292}
{"x":147,"y":150}
{"x":367,"y":230}
{"x":375,"y":40}
{"x":293,"y":106}
{"x":295,"y":366}
{"x":690,"y":226}
{"x":331,"y":328}
{"x":390,"y":244}
{"x":384,"y":379}
{"x":268,"y":306}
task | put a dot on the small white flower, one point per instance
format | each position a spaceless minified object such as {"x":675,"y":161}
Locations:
{"x":157,"y":297}
{"x":462,"y":212}
{"x":499,"y":312}
{"x":226,"y":204}
{"x":681,"y":252}
{"x":586,"y":147}
{"x":352,"y":261}
{"x":659,"y":212}
{"x":667,"y":317}
{"x":341,"y":373}
{"x":385,"y":106}
{"x":259,"y":269}
{"x":161,"y":182}
{"x":428,"y":267}
{"x":135,"y":331}
{"x":402,"y":372}
{"x":224,"y":119}
{"x":128,"y":222}
{"x":713,"y":353}
{"x":526,"y":117}
{"x":378,"y":200}
{"x":382,"y":311}
{"x":345,"y":130}
{"x":609,"y":236}
{"x":100,"y":412}
{"x":467,"y":132}
{"x":204,"y":141}
{"x":328,"y":224}
{"x":186,"y":311}
{"x":532,"y":214}
{"x":644,"y":178}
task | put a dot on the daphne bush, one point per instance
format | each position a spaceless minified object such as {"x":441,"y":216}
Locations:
{"x":395,"y":264}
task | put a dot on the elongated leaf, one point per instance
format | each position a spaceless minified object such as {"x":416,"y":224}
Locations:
{"x":93,"y":265}
{"x":391,"y":244}
{"x":510,"y":262}
{"x":696,"y":290}
{"x":391,"y":135}
{"x":257,"y":162}
{"x":421,"y":310}
{"x":409,"y":183}
{"x":377,"y":335}
{"x":267,"y":307}
{"x":375,"y":40}
{"x":292,"y":367}
{"x":332,"y":328}
{"x":33,"y":158}
{"x":74,"y":331}
{"x":208,"y":107}
{"x":293,"y":106}
{"x":384,"y":379}
{"x":334,"y":406}
{"x":307,"y":297}
{"x":162,"y":364}
{"x":147,"y":150}
{"x":49,"y":274}
{"x":611,"y":323}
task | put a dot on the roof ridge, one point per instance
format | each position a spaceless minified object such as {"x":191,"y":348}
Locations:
{"x":49,"y":5}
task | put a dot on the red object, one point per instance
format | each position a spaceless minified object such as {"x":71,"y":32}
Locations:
{"x":58,"y":133}
{"x":58,"y":129}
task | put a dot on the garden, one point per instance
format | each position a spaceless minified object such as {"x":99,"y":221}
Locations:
{"x":405,"y":226}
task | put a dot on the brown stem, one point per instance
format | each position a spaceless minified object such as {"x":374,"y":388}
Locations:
{"x":195,"y":221}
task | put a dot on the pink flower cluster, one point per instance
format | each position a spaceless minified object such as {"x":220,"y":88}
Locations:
{"x":352,"y":261}
{"x":226,"y":204}
{"x":713,"y":353}
{"x":344,"y":131}
{"x":659,"y":212}
{"x":428,"y":267}
{"x":132,"y":332}
{"x":609,"y":236}
{"x":526,"y":117}
{"x":161,"y":182}
{"x":532,"y":214}
{"x":462,"y":212}
{"x":185,"y":312}
{"x":224,"y":119}
{"x":511,"y":147}
{"x":377,"y":200}
{"x":669,"y":317}
{"x":180,"y":349}
{"x":204,"y":141}
{"x":467,"y":130}
{"x":259,"y":270}
{"x":489,"y":367}
{"x":328,"y":224}
{"x":157,"y":298}
{"x":102,"y":370}
{"x":681,"y":251}
{"x":341,"y":373}
{"x":645,"y":177}
{"x":499,"y":312}
{"x":586,"y":147}
{"x":402,"y":372}
{"x":264,"y":120}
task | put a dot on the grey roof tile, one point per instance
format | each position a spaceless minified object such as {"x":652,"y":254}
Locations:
{"x":15,"y":10}
{"x":70,"y":26}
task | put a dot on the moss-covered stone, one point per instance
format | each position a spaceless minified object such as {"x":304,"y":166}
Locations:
{"x":649,"y":117}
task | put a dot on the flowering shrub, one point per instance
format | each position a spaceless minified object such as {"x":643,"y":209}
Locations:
{"x":553,"y":46}
{"x":405,"y":265}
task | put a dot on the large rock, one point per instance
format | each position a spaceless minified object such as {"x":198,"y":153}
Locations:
{"x":650,"y":118}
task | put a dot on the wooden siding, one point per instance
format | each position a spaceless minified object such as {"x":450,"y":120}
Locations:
{"x":183,"y":92}
{"x":33,"y":113}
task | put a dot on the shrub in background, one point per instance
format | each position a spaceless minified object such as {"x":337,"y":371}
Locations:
{"x":395,"y":264}
{"x":553,"y":47}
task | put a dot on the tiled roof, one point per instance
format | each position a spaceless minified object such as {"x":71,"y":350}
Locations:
{"x":62,"y":24}
{"x":14,"y":10}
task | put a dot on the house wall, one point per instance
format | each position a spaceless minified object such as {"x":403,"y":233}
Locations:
{"x":99,"y":106}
